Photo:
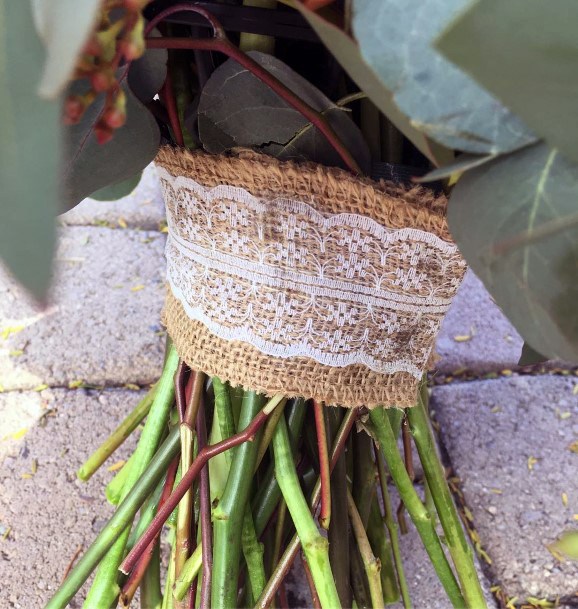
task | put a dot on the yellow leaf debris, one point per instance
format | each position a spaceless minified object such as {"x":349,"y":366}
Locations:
{"x":40,"y":387}
{"x":137,"y":288}
{"x":16,"y":353}
{"x":122,"y":223}
{"x":531,"y":462}
{"x":575,"y":389}
{"x":573,"y":447}
{"x":116,"y":466}
{"x":11,"y":330}
{"x":496,"y":409}
{"x":496,"y":491}
{"x":132,"y":387}
{"x":564,"y":499}
{"x":75,"y":384}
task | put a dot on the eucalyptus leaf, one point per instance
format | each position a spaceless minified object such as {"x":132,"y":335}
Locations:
{"x":526,"y":53}
{"x":346,"y":51}
{"x":462,"y":163}
{"x":566,"y":544}
{"x":516,"y":223}
{"x":147,"y":74}
{"x":238,"y":109}
{"x":530,"y":356}
{"x":89,"y":166}
{"x":118,"y":190}
{"x":29,"y":152}
{"x":395,"y":39}
{"x":64,"y":26}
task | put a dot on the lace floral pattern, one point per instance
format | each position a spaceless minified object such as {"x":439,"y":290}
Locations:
{"x":339,"y":289}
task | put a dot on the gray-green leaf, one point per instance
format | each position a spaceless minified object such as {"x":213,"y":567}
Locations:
{"x":346,"y":51}
{"x":526,"y":53}
{"x":396,"y":39}
{"x":29,"y":152}
{"x":530,"y":356}
{"x":118,"y":190}
{"x":64,"y":26}
{"x":148,"y":73}
{"x":89,"y":166}
{"x":238,"y":109}
{"x":516,"y":222}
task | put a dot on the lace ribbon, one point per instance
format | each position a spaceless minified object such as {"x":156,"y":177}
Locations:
{"x":339,"y":289}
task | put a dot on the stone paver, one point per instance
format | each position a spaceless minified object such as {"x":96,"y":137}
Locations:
{"x":494,"y":343}
{"x":508,"y":441}
{"x":143,"y":208}
{"x":102,"y":325}
{"x":50,"y":513}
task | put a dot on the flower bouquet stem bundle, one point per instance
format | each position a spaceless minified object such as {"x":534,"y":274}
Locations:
{"x":303,"y":302}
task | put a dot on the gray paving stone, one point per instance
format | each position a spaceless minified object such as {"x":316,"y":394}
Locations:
{"x":102,"y":324}
{"x":494,"y":343}
{"x":51,"y":514}
{"x":143,"y":208}
{"x":508,"y":441}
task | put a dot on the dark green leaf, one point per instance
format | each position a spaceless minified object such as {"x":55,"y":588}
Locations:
{"x":530,"y":356}
{"x":516,"y":222}
{"x":526,"y":53}
{"x":462,"y":163}
{"x":89,"y":166}
{"x":29,"y":152}
{"x":118,"y":190}
{"x":64,"y":26}
{"x":147,"y":74}
{"x":238,"y":109}
{"x":395,"y":39}
{"x":346,"y":51}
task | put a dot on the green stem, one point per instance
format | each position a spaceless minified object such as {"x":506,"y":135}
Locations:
{"x":150,"y":587}
{"x":370,"y":563}
{"x":392,"y":527}
{"x":363,"y":475}
{"x":117,"y":437}
{"x":339,"y":526}
{"x":458,"y":546}
{"x":253,"y":553}
{"x":114,"y":488}
{"x":189,"y":571}
{"x":122,"y":518}
{"x":414,"y":506}
{"x":382,"y":547}
{"x":314,"y":545}
{"x":224,"y":408}
{"x":229,"y":513}
{"x":104,"y":588}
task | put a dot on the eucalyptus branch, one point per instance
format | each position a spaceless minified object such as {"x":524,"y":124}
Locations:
{"x":292,"y":549}
{"x":322,"y":449}
{"x":204,"y":455}
{"x":118,"y":436}
{"x":221,"y":44}
{"x":205,"y":520}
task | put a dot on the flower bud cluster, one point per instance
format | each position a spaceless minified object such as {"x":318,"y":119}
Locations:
{"x":117,"y":40}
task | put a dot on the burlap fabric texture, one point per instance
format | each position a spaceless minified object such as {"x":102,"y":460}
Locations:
{"x":302,"y":279}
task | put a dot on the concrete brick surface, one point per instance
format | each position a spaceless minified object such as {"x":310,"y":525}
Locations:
{"x":103,"y":321}
{"x":509,"y":442}
{"x":493,"y":343}
{"x":142,"y":208}
{"x":51,"y":514}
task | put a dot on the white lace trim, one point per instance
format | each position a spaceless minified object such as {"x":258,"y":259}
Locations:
{"x":340,"y":289}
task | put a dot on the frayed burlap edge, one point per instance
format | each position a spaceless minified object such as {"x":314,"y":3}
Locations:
{"x":328,"y":189}
{"x":243,"y":365}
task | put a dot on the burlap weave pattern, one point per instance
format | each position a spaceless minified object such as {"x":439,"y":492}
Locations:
{"x":303,"y":279}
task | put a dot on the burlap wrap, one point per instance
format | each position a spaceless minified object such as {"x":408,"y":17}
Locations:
{"x":302,"y":279}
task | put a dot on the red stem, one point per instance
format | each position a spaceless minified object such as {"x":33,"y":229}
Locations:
{"x":184,"y":485}
{"x":205,"y":516}
{"x":181,"y":377}
{"x":324,"y":474}
{"x":130,"y":587}
{"x":316,"y":603}
{"x":225,"y":46}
